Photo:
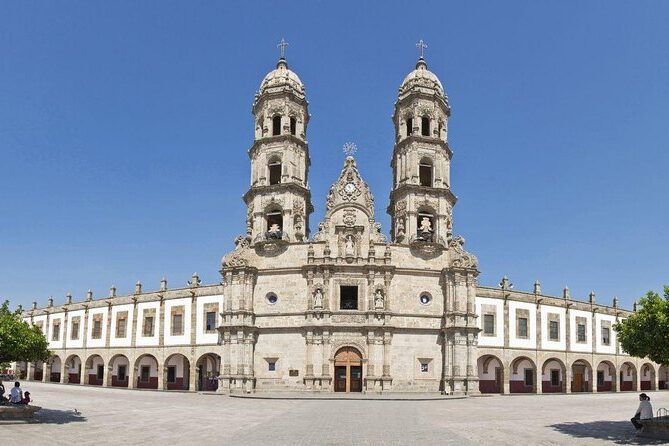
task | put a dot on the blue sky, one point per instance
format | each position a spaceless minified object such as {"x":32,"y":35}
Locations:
{"x":124,"y":128}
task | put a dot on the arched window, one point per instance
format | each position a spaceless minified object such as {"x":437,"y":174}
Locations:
{"x":425,"y":225}
{"x":274,"y":167}
{"x":276,"y":125}
{"x":409,"y":126}
{"x":274,"y":224}
{"x":425,"y":126}
{"x":425,"y":172}
{"x":293,"y":126}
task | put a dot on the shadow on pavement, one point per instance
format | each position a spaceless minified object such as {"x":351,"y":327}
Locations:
{"x":53,"y":416}
{"x":617,"y":432}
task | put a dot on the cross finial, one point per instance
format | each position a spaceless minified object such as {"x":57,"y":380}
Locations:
{"x":421,"y":48}
{"x":349,"y":149}
{"x":282,"y":48}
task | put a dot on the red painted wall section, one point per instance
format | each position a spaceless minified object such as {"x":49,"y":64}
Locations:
{"x":519,"y":387}
{"x":606,"y":387}
{"x":546,"y":387}
{"x":93,"y":380}
{"x":177,"y":385}
{"x":55,"y":378}
{"x":627,"y":385}
{"x":645,"y":385}
{"x":152,"y":383}
{"x":73,"y":378}
{"x":488,"y":386}
{"x":118,"y":383}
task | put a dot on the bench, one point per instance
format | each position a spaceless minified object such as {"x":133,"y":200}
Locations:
{"x":18,"y":412}
{"x":657,"y":428}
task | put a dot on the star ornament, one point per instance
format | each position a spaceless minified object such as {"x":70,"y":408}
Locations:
{"x":349,"y":149}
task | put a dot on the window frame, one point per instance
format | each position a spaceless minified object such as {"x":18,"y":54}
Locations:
{"x":555,"y":324}
{"x":491,"y":317}
{"x":555,"y":373}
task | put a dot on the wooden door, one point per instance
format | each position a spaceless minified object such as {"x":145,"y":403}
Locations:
{"x":578,"y":382}
{"x":498,"y":379}
{"x":355,"y":378}
{"x":340,"y":378}
{"x":348,"y":370}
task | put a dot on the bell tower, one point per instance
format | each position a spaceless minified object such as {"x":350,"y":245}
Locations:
{"x":421,"y":200}
{"x":279,"y":201}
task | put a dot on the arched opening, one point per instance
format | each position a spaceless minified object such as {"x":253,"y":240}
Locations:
{"x":147,"y":372}
{"x":581,"y":376}
{"x":208,"y":370}
{"x":276,"y":125}
{"x":425,"y":126}
{"x":274,"y":225}
{"x":73,"y":369}
{"x":95,"y":371}
{"x":606,"y":377}
{"x":491,"y":374}
{"x":523,"y":376}
{"x":627,"y":377}
{"x":663,"y":378}
{"x":409,"y":126}
{"x":553,"y":375}
{"x":38,"y":371}
{"x":274,"y":171}
{"x":648,"y":377}
{"x":119,"y":367}
{"x":293,"y":126}
{"x":425,"y":226}
{"x":177,"y":372}
{"x":55,"y":366}
{"x":425,"y":170}
{"x":348,"y":370}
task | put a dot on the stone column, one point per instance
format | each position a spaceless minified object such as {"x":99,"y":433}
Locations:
{"x":132,"y":374}
{"x":387,"y":377}
{"x":327,"y":352}
{"x":192,"y":380}
{"x":309,"y":346}
{"x":133,"y":325}
{"x":46,"y":372}
{"x":109,"y":325}
{"x":568,"y":378}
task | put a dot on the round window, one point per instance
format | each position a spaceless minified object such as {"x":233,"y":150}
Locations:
{"x":271,"y":298}
{"x":425,"y":298}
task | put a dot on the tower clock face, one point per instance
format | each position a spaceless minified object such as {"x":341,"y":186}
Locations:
{"x":349,"y":188}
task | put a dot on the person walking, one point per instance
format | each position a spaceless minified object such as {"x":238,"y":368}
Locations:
{"x":644,"y":412}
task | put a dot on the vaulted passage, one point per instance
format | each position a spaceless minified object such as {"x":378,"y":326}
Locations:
{"x":348,"y":370}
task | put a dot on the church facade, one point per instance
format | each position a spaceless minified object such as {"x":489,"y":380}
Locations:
{"x":343,"y":308}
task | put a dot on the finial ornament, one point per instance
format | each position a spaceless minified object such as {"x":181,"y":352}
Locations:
{"x":282,"y":48}
{"x":421,"y":48}
{"x":349,"y":149}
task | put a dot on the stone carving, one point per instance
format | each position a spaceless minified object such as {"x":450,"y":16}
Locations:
{"x":459,"y":257}
{"x":378,"y":299}
{"x":349,"y":249}
{"x":237,"y":258}
{"x":249,"y":219}
{"x":318,"y":298}
{"x":425,"y":229}
{"x":376,"y":235}
{"x":349,"y":217}
{"x":350,"y":188}
{"x":323,"y":229}
{"x":400,"y":229}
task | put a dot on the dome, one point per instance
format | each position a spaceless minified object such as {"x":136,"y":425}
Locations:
{"x":280,"y":77}
{"x":421,"y":77}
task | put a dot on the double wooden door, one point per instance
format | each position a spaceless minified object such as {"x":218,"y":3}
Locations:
{"x":348,"y":370}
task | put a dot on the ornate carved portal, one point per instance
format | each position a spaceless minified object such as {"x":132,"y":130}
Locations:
{"x":348,"y":370}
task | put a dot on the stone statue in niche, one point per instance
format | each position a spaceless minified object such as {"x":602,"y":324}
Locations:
{"x":318,"y":298}
{"x":378,"y":300}
{"x":349,"y":249}
{"x":400,"y":227}
{"x":274,"y":231}
{"x":425,"y":230}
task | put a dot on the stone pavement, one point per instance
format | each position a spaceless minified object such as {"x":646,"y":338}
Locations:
{"x":117,"y":416}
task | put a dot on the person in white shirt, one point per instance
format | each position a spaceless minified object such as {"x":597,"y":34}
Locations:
{"x":16,"y":394}
{"x":644,"y":412}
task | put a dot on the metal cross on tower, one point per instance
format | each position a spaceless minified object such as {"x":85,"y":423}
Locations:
{"x":421,"y":47}
{"x":349,"y":149}
{"x":282,"y":48}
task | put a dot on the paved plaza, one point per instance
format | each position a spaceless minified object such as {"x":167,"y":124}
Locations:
{"x":119,"y":416}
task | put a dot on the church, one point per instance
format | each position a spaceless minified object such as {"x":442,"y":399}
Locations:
{"x":340,"y":306}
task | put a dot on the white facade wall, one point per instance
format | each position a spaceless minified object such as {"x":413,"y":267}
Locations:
{"x":600,"y":347}
{"x":200,"y":336}
{"x":498,"y":339}
{"x":148,"y":341}
{"x":90,"y":342}
{"x":546,"y":343}
{"x":127,"y":340}
{"x":79,"y":341}
{"x":514,"y":340}
{"x":575,"y":345}
{"x":184,"y":338}
{"x":56,"y":318}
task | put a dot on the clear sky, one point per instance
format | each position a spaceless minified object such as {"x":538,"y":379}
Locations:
{"x":124,"y":130}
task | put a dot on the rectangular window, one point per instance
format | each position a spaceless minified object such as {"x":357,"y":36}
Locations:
{"x":121,"y":325}
{"x":529,"y":377}
{"x":100,"y":372}
{"x":74,"y":331}
{"x":271,"y":366}
{"x":555,"y":377}
{"x":147,"y":328}
{"x":171,"y":374}
{"x":424,"y":367}
{"x":293,"y":372}
{"x":580,"y":333}
{"x":145,"y":373}
{"x":211,"y":322}
{"x":554,"y":330}
{"x":606,"y":336}
{"x":121,"y":373}
{"x":348,"y":297}
{"x":600,"y":377}
{"x":55,"y":335}
{"x":177,"y":324}
{"x":489,"y":324}
{"x":97,"y":329}
{"x":522,"y":327}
